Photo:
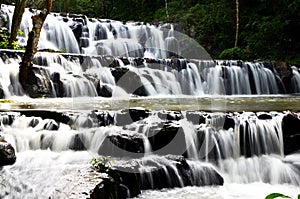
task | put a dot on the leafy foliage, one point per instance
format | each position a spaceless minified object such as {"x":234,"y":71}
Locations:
{"x":232,"y":53}
{"x":102,"y":163}
{"x":4,"y":36}
{"x":269,"y":30}
{"x":278,"y":195}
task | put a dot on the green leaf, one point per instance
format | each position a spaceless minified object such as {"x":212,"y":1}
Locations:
{"x":299,"y":196}
{"x":276,"y":195}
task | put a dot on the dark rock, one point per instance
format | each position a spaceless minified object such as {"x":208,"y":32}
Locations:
{"x":285,"y":73}
{"x":129,"y":116}
{"x":38,"y":83}
{"x":7,"y":154}
{"x":52,"y":125}
{"x":58,"y":85}
{"x":108,"y":188}
{"x":229,"y":122}
{"x":167,"y":138}
{"x":77,"y":143}
{"x":2,"y":95}
{"x":34,"y":122}
{"x":7,"y":118}
{"x":100,"y":32}
{"x":129,"y":81}
{"x":195,"y":117}
{"x":44,"y":114}
{"x":156,"y":172}
{"x":84,"y":42}
{"x":104,"y":118}
{"x":104,"y":90}
{"x":123,"y":144}
{"x":264,"y":116}
{"x":77,"y":30}
{"x":170,"y":115}
{"x":291,"y":133}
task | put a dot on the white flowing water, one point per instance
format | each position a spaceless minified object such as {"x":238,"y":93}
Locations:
{"x":249,"y":155}
{"x":44,"y":158}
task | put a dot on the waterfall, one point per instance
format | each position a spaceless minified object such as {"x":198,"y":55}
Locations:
{"x":78,"y":76}
{"x":237,"y":147}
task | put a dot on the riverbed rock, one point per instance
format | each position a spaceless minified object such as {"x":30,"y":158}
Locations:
{"x":123,"y":144}
{"x":38,"y":83}
{"x":167,"y":138}
{"x":104,"y":90}
{"x":129,"y":81}
{"x":128,"y":116}
{"x":291,"y":132}
{"x":159,"y":172}
{"x":7,"y":154}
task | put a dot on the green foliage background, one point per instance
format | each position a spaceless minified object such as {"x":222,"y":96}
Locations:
{"x":269,"y":30}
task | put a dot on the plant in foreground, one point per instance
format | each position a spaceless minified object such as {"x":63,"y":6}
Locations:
{"x":102,"y":163}
{"x":278,"y":195}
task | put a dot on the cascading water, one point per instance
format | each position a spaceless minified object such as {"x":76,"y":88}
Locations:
{"x":86,"y":76}
{"x":244,"y":148}
{"x":115,"y":59}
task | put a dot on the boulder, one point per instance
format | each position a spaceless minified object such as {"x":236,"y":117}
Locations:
{"x":167,"y":138}
{"x":195,"y":117}
{"x":128,"y":116}
{"x":291,"y":133}
{"x":129,"y":81}
{"x":39,"y":83}
{"x":123,"y":144}
{"x":58,"y":84}
{"x":159,"y":172}
{"x":7,"y":154}
{"x":104,"y":90}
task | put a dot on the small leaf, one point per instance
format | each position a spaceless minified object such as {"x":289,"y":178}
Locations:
{"x":276,"y":195}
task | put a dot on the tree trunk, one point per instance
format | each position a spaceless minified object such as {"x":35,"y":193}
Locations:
{"x":16,"y":21}
{"x":32,"y":43}
{"x":237,"y":24}
{"x":167,"y":11}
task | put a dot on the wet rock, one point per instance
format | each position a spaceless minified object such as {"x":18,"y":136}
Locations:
{"x":123,"y":144}
{"x":167,"y":138}
{"x":104,"y":90}
{"x":38,"y":83}
{"x":108,"y":188}
{"x":100,"y":32}
{"x":84,"y":42}
{"x":77,"y":143}
{"x":229,"y":122}
{"x":264,"y":116}
{"x":158,"y":172}
{"x":129,"y":81}
{"x":77,"y":30}
{"x":2,"y":95}
{"x":44,"y":114}
{"x":170,"y":115}
{"x":291,"y":133}
{"x":128,"y":116}
{"x":7,"y":154}
{"x":52,"y":125}
{"x":195,"y":117}
{"x":285,"y":73}
{"x":58,"y":85}
{"x":104,"y":118}
{"x":34,"y":122}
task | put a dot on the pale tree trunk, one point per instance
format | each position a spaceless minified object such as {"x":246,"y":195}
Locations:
{"x":167,"y":11}
{"x":237,"y":24}
{"x":32,"y":43}
{"x":16,"y":21}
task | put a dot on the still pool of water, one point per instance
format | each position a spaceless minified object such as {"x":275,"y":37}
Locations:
{"x":232,"y":103}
